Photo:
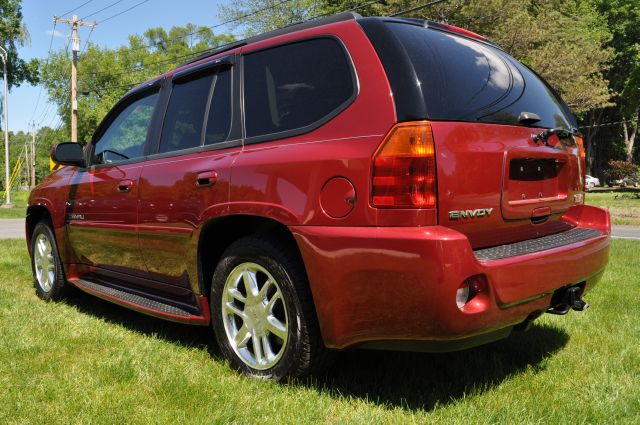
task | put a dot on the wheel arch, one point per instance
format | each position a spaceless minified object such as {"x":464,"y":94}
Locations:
{"x":217,"y":234}
{"x":35,"y":214}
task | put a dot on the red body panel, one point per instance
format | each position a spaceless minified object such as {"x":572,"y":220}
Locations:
{"x":102,"y":226}
{"x":173,"y":209}
{"x":375,"y":274}
{"x":399,"y":283}
{"x":473,"y":172}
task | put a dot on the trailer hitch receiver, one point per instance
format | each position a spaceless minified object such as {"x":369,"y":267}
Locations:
{"x":567,"y":298}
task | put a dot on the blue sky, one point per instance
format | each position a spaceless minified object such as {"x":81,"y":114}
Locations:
{"x":38,"y":16}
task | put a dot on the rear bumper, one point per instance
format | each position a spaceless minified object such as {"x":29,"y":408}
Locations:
{"x":391,"y":284}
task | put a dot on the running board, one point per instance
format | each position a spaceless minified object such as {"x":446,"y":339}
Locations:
{"x":145,"y":305}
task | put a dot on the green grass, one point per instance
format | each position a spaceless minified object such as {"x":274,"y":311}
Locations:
{"x":88,"y":361}
{"x":19,"y":199}
{"x":623,"y":204}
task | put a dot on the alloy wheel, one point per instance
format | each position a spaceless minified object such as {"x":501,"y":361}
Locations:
{"x":44,"y":263}
{"x":255,"y":316}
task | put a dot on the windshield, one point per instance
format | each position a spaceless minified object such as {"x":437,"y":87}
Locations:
{"x":465,"y":80}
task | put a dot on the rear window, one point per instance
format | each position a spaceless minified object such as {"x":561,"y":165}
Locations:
{"x":464,"y":80}
{"x":296,"y":85}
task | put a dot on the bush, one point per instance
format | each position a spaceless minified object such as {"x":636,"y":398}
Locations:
{"x":619,"y":170}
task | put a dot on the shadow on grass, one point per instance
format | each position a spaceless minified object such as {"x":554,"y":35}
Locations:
{"x":425,"y":380}
{"x":397,"y":379}
{"x":186,"y":335}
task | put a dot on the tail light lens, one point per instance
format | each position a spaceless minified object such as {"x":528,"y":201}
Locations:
{"x":404,"y":169}
{"x":583,"y":159}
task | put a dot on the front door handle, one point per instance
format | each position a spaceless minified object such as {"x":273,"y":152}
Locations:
{"x":125,"y":186}
{"x":206,"y":179}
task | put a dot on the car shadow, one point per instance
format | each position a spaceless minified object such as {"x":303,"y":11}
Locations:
{"x":189,"y":336}
{"x":392,"y":378}
{"x":426,"y":380}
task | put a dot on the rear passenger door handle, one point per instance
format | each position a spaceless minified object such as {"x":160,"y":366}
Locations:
{"x":125,"y":186}
{"x":206,"y":179}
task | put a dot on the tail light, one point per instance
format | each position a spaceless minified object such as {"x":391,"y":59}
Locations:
{"x":583,"y":159}
{"x":404,"y":168}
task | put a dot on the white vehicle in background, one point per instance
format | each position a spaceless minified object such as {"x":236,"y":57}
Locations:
{"x":591,"y":182}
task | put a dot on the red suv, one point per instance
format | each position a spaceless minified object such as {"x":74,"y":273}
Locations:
{"x":346,"y":182}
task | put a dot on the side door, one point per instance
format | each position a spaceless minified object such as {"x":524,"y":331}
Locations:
{"x":186,"y":181}
{"x":102,"y":213}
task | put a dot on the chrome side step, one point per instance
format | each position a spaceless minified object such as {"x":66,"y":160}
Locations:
{"x":145,"y":305}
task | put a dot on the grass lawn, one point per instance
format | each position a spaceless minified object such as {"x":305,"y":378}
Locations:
{"x":19,"y":199}
{"x":87,"y":361}
{"x":623,"y":204}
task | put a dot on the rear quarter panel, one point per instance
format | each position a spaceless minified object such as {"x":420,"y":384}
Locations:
{"x":282,"y":179}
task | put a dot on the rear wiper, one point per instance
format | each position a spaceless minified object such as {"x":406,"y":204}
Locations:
{"x":543,"y":137}
{"x":528,"y":118}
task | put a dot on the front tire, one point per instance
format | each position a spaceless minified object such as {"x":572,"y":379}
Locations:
{"x":48,"y":275}
{"x":263,"y":313}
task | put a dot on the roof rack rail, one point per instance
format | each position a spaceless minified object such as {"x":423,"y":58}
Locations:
{"x":214,"y":51}
{"x":297,"y":26}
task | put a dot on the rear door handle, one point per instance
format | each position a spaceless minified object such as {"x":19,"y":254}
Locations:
{"x":206,"y":178}
{"x":125,"y":186}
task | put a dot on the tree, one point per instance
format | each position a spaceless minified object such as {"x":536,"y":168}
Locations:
{"x":14,"y":34}
{"x":257,"y":16}
{"x":623,"y":17}
{"x":104,"y":75}
{"x":561,"y":40}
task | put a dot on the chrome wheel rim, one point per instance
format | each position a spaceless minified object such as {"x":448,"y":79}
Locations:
{"x":44,"y":264}
{"x":255,"y":316}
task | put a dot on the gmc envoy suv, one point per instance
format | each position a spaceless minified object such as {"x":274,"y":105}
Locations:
{"x":346,"y":182}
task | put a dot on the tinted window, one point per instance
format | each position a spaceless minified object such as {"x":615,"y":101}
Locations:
{"x":219,"y":120}
{"x":295,"y":85}
{"x":184,"y":118}
{"x":126,"y":135}
{"x":465,"y":80}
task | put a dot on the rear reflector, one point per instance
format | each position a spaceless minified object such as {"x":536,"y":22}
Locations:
{"x":404,"y":169}
{"x":583,"y":159}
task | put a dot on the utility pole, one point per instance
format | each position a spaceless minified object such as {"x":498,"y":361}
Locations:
{"x":32,"y":157}
{"x":74,"y":23}
{"x":7,"y":203}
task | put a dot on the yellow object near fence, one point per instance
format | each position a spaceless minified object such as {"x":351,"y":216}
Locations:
{"x":14,"y":175}
{"x":53,"y":166}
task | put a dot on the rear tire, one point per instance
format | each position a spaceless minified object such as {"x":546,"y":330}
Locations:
{"x":263,"y":314}
{"x":48,"y":275}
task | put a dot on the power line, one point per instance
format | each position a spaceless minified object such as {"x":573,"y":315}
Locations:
{"x":76,"y":8}
{"x":246,"y":15}
{"x":605,"y":124}
{"x":86,"y":43}
{"x":422,"y":6}
{"x":53,"y":31}
{"x":103,"y":9}
{"x":124,"y":11}
{"x":230,"y":21}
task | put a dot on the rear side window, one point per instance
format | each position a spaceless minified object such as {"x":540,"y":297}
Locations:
{"x":294,"y":86}
{"x":185,"y":114}
{"x":464,"y":80}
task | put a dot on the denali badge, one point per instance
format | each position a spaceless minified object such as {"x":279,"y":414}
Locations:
{"x":76,"y":216}
{"x":480,"y":212}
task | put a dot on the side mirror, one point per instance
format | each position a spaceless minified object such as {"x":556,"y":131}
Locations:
{"x":68,"y":153}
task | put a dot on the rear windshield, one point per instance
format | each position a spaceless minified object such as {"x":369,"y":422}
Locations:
{"x":464,"y":80}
